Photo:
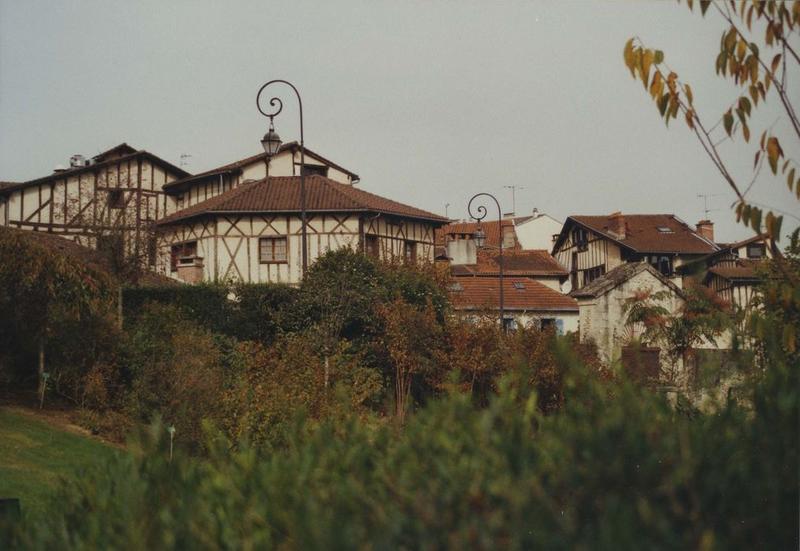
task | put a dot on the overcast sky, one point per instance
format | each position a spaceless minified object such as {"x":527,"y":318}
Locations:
{"x":429,"y":102}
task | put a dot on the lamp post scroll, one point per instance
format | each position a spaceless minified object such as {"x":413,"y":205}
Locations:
{"x":271,"y":142}
{"x":480,"y":237}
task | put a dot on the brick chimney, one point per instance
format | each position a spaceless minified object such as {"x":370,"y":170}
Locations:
{"x":616,"y":225}
{"x":706,"y":229}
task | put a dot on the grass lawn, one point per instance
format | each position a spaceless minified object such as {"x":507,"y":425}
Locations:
{"x":34,"y":454}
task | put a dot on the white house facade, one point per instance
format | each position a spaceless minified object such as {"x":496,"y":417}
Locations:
{"x":252,"y":232}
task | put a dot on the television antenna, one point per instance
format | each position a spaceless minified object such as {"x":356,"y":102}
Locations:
{"x":706,"y":197}
{"x":185,"y":159}
{"x":514,"y":197}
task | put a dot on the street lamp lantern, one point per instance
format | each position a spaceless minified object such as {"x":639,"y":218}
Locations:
{"x":480,"y":237}
{"x":271,"y":142}
{"x":480,"y":240}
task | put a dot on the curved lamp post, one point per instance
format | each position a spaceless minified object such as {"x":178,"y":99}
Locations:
{"x":271,"y":142}
{"x":480,"y":238}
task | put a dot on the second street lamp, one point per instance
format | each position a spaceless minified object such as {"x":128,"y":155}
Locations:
{"x":480,"y":239}
{"x":271,"y":142}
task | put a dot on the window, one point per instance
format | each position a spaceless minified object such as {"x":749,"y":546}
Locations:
{"x":573,"y":273}
{"x":661,"y":263}
{"x":580,"y":238}
{"x":518,"y":285}
{"x":593,"y":273}
{"x":116,"y":199}
{"x":272,"y":250}
{"x":315,"y":170}
{"x":509,"y":324}
{"x":455,"y":287}
{"x":410,"y":251}
{"x":756,"y":250}
{"x":372,"y":246}
{"x":664,"y":229}
{"x":182,"y":250}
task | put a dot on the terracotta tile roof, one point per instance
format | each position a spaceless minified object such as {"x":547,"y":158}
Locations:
{"x":116,"y":151}
{"x":520,"y":263}
{"x":735,"y":273}
{"x":738,"y":269}
{"x":617,"y":277}
{"x":282,"y":194}
{"x":236,"y":166}
{"x":483,"y":293}
{"x":643,"y":235}
{"x":516,"y":262}
{"x":490,"y":228}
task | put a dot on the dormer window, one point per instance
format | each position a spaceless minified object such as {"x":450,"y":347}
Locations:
{"x":518,"y":285}
{"x":664,"y":229}
{"x":315,"y":170}
{"x":756,"y":250}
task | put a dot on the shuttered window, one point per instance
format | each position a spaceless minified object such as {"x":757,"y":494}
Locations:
{"x":272,"y":250}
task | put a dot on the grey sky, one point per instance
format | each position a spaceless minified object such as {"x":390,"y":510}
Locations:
{"x":430,"y":102}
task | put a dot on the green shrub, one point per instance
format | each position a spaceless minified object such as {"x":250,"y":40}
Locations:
{"x":174,"y":369}
{"x":614,"y":468}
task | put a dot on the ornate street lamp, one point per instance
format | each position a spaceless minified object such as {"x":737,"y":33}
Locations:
{"x":480,"y":239}
{"x":271,"y":142}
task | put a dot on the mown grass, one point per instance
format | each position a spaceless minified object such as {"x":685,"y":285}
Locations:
{"x":34,"y":455}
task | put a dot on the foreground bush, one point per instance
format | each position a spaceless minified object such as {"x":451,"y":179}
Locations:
{"x":616,"y":467}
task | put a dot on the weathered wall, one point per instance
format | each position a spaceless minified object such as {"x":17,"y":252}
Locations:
{"x":602,"y":319}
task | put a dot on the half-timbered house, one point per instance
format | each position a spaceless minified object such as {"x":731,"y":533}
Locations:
{"x":288,"y":161}
{"x":590,"y":246}
{"x":735,"y":270}
{"x":252,"y":232}
{"x":115,"y":195}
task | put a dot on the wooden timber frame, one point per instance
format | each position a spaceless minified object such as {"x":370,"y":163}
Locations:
{"x":228,"y":244}
{"x":76,"y":203}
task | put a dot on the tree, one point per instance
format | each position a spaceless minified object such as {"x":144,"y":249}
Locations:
{"x":702,"y":317}
{"x":49,"y":298}
{"x":754,"y":69}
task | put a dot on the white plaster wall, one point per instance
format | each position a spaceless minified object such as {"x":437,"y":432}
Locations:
{"x":538,"y":232}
